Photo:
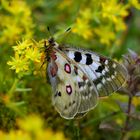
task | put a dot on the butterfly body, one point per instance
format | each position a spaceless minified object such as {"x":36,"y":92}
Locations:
{"x":78,"y":77}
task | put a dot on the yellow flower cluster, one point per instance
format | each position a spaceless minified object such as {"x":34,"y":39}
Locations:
{"x":26,"y":53}
{"x":16,"y":21}
{"x":82,"y":27}
{"x":135,"y":3}
{"x":106,"y":35}
{"x":136,"y":101}
{"x":114,"y":12}
{"x":102,"y":19}
{"x":31,"y":128}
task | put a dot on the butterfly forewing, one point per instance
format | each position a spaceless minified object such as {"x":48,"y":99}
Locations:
{"x":107,"y":75}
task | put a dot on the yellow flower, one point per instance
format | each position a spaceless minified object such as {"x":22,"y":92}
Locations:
{"x":111,"y":10}
{"x":16,"y":7}
{"x":15,"y":135}
{"x":33,"y":54}
{"x":21,"y":46}
{"x":120,"y":25}
{"x":31,"y":128}
{"x":50,"y":135}
{"x":26,"y":52}
{"x":86,"y":13}
{"x":10,"y":31}
{"x":136,"y":101}
{"x":82,"y":28}
{"x":135,"y":3}
{"x":16,"y":21}
{"x":31,"y":123}
{"x":25,"y":135}
{"x":19,"y":63}
{"x":105,"y":34}
{"x":115,"y":12}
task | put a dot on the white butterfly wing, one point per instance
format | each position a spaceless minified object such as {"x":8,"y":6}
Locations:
{"x":107,"y":75}
{"x":73,"y":91}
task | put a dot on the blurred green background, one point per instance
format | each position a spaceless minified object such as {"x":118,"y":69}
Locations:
{"x":108,"y":27}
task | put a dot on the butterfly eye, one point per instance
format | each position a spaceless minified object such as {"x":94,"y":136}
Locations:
{"x":51,"y":41}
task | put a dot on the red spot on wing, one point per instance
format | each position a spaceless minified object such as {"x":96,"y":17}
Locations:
{"x":102,"y":59}
{"x":53,"y":55}
{"x":84,"y":78}
{"x":53,"y":70}
{"x":69,"y":89}
{"x":67,"y":68}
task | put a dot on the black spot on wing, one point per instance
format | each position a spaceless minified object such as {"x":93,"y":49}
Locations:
{"x":75,"y":70}
{"x":97,"y":81}
{"x":100,"y":68}
{"x":88,"y":59}
{"x":81,"y":84}
{"x":58,"y":93}
{"x":77,"y":56}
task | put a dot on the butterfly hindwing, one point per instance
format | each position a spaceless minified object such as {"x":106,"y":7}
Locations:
{"x":73,"y":91}
{"x":65,"y":99}
{"x":107,"y":75}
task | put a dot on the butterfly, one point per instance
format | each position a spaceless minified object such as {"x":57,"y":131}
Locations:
{"x":79,"y":77}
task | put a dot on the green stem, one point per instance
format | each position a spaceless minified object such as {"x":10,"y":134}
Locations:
{"x":13,"y":88}
{"x":125,"y":128}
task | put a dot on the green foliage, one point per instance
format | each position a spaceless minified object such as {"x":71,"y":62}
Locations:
{"x":108,"y":27}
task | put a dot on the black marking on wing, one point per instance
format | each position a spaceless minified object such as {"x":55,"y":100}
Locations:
{"x":77,"y":56}
{"x":75,"y":70}
{"x":100,"y":68}
{"x":81,"y":84}
{"x":88,"y":59}
{"x":58,"y":93}
{"x":109,"y":77}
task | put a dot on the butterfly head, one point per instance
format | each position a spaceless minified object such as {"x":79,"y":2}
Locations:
{"x":51,"y":41}
{"x":49,"y":46}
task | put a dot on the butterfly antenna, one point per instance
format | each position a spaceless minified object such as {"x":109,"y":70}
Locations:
{"x":65,"y":34}
{"x":68,"y":30}
{"x":50,"y":34}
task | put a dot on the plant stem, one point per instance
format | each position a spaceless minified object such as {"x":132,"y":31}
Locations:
{"x":126,"y":127}
{"x":13,"y":88}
